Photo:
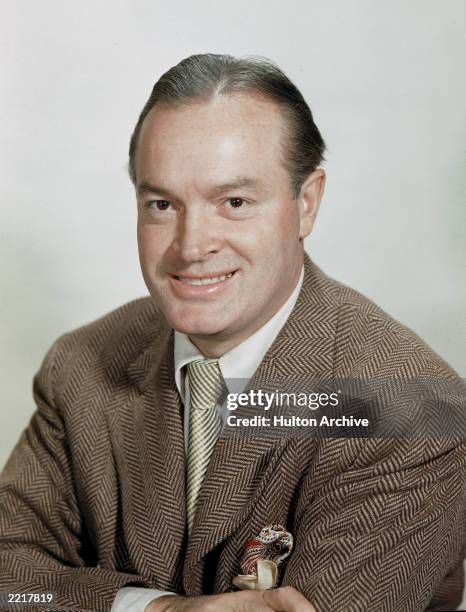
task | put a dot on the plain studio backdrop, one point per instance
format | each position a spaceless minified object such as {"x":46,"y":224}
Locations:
{"x":385,"y":81}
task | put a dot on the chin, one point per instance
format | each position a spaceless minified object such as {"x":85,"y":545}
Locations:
{"x":195,"y":327}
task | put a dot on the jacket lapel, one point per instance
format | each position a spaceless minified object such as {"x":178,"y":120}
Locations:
{"x":156,"y":414}
{"x":240,"y":465}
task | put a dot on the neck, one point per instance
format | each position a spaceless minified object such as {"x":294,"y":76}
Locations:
{"x":215,"y":347}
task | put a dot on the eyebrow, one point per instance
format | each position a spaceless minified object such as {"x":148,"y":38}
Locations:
{"x":145,"y":186}
{"x":239,"y":183}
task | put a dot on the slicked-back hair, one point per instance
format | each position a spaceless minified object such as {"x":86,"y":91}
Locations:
{"x":201,"y":77}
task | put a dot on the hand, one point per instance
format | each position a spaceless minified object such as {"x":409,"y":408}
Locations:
{"x":287,"y":599}
{"x":284,"y":599}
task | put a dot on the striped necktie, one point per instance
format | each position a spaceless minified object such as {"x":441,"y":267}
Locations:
{"x":205,"y":424}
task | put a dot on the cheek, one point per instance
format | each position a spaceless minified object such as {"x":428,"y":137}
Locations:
{"x":275,"y":234}
{"x":151,"y":244}
{"x":145,"y":253}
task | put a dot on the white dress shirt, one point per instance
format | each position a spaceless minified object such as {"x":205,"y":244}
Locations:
{"x":237,"y":366}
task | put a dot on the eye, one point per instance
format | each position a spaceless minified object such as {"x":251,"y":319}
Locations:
{"x":158,"y":204}
{"x":236,"y":202}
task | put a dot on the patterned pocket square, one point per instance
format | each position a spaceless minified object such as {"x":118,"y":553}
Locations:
{"x":262,"y":556}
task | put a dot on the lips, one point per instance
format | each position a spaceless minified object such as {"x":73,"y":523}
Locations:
{"x":205,"y":280}
{"x":207,"y":286}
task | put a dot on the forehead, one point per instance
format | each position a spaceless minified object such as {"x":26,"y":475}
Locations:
{"x":212,"y":140}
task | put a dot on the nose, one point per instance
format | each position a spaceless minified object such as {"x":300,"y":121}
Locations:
{"x":196,"y":236}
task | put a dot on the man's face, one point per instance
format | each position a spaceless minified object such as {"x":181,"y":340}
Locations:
{"x":219,"y":232}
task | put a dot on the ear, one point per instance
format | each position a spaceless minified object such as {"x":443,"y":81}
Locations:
{"x":309,"y":199}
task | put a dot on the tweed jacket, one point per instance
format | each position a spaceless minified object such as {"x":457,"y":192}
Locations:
{"x":93,"y":495}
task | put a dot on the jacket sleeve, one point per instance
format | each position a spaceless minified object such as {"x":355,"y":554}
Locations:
{"x":44,"y":545}
{"x":383,"y":535}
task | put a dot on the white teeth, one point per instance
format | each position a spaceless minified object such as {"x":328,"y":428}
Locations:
{"x":205,"y":281}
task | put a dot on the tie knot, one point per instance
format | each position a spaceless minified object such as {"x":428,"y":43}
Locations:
{"x":205,"y":382}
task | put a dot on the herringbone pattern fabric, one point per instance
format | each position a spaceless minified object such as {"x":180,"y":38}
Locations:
{"x":93,"y":496}
{"x":205,"y":424}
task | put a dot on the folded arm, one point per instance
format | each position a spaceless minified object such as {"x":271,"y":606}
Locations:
{"x":44,"y":544}
{"x":382,"y":535}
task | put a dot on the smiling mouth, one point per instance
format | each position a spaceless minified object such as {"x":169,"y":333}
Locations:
{"x":206,"y":280}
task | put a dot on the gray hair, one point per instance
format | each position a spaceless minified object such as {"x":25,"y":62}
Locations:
{"x":201,"y":77}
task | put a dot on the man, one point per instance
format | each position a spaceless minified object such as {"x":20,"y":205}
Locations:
{"x":125,"y":493}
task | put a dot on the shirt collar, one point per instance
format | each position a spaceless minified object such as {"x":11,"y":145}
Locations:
{"x":243,"y":360}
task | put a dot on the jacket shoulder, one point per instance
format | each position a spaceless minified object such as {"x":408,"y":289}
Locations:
{"x":105,"y":345}
{"x":369,"y":341}
{"x":127,"y":319}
